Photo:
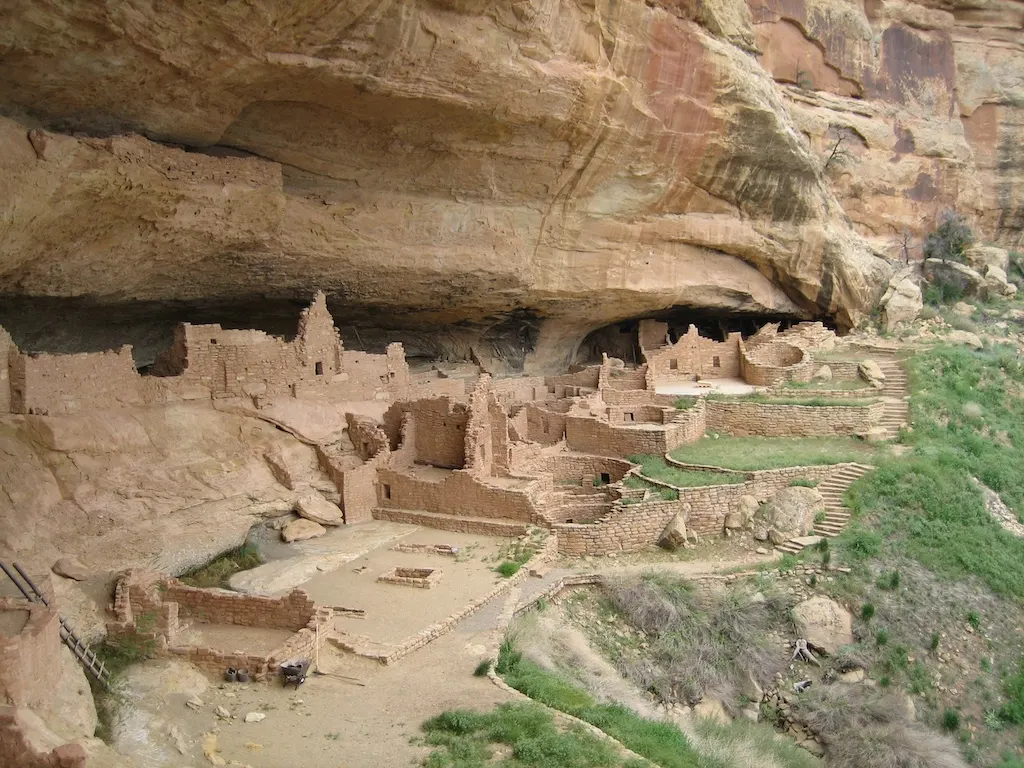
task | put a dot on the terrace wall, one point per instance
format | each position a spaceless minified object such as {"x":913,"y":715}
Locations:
{"x":458,"y":494}
{"x":61,"y":384}
{"x":746,"y":418}
{"x":586,"y":434}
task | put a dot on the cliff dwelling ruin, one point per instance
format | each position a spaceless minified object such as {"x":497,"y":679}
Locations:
{"x":363,"y":364}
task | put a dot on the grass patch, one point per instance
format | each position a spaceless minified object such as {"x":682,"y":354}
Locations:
{"x":737,"y":744}
{"x":665,"y":494}
{"x":656,"y":468}
{"x":753,"y":453}
{"x":684,"y":403}
{"x":815,"y":402}
{"x":515,"y":556}
{"x":803,"y":482}
{"x":834,"y":384}
{"x":464,"y":739}
{"x":217,"y":572}
{"x":926,"y":504}
{"x":660,"y":742}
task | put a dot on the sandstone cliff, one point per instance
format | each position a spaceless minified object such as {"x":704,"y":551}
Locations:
{"x":432,"y":163}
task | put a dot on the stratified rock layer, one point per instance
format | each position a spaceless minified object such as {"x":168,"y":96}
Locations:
{"x":568,"y":165}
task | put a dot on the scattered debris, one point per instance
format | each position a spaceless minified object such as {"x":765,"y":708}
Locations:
{"x":254,"y":717}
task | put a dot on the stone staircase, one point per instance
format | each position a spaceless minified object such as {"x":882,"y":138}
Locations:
{"x":895,"y":392}
{"x":836,"y":515}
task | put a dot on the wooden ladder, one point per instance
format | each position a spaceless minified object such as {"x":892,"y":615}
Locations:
{"x":82,"y":652}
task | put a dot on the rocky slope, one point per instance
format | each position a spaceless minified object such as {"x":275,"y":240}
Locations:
{"x":556,"y":165}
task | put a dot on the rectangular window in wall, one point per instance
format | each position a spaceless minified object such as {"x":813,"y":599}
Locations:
{"x":318,"y":368}
{"x":673,"y":365}
{"x":386,"y":490}
{"x":716,"y":362}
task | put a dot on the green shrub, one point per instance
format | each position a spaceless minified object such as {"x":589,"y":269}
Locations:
{"x":803,"y":482}
{"x":951,"y":720}
{"x":889,"y":582}
{"x":217,"y":572}
{"x":1013,"y":688}
{"x":483,"y":668}
{"x":933,"y":645}
{"x":684,"y":403}
{"x":974,"y":619}
{"x":881,"y":637}
{"x":509,"y":568}
{"x":867,"y":611}
{"x":950,"y":239}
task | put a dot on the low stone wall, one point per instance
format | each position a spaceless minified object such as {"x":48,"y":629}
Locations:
{"x":636,"y":526}
{"x":451,"y":523}
{"x":587,"y":434}
{"x":746,"y":419}
{"x":460,"y":493}
{"x":581,"y":467}
{"x":772,"y":362}
{"x":637,"y":397}
{"x":147,"y":607}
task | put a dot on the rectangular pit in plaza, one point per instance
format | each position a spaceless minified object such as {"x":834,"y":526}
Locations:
{"x":424,"y":578}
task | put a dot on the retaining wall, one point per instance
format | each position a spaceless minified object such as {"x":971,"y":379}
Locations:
{"x":745,"y":419}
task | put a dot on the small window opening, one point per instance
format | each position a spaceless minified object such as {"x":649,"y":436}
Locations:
{"x":387,"y":491}
{"x":213,"y":341}
{"x":628,"y":417}
{"x":716,"y":362}
{"x":673,"y":365}
{"x":318,"y":368}
{"x":605,"y":478}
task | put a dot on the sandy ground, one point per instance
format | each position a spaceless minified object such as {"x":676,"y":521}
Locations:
{"x":717,"y":386}
{"x":394,"y":612}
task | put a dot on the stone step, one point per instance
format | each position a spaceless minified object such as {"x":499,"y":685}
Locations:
{"x":485,"y":526}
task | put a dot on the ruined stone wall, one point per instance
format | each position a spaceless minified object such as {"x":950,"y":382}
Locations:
{"x":627,"y":528}
{"x":579,"y":468}
{"x":520,"y":390}
{"x":626,"y":379}
{"x":769,"y":363}
{"x":636,"y":414}
{"x":61,"y":384}
{"x":220,"y":606}
{"x":587,"y":378}
{"x":544,"y":425}
{"x":432,"y":430}
{"x":637,"y":397}
{"x":590,"y":435}
{"x":479,"y":444}
{"x":317,"y":340}
{"x":744,"y":419}
{"x":30,"y":664}
{"x":692,"y":356}
{"x":458,"y":494}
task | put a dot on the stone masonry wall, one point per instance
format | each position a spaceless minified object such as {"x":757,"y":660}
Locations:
{"x":590,"y":435}
{"x":460,"y":493}
{"x":637,"y":397}
{"x":60,"y":384}
{"x":692,"y":356}
{"x":771,"y":362}
{"x":543,"y":425}
{"x":632,"y":527}
{"x":221,"y":606}
{"x":743,"y":419}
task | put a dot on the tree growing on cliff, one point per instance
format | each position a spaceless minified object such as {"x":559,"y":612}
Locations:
{"x":950,"y":240}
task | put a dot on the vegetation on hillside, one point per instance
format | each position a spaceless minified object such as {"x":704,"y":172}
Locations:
{"x":656,"y":468}
{"x":217,"y":572}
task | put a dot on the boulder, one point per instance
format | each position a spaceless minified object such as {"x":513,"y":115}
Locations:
{"x":981,"y":257}
{"x":70,"y":568}
{"x":823,"y":374}
{"x":823,"y":623}
{"x":903,"y":302}
{"x":872,"y":373}
{"x":996,"y":283}
{"x":968,"y":281}
{"x":675,"y":535}
{"x":853,"y":676}
{"x":964,"y":337}
{"x":788,"y":514}
{"x":743,"y":513}
{"x":302,"y":529}
{"x":315,"y":507}
{"x":876,"y":435}
{"x":963,"y":308}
